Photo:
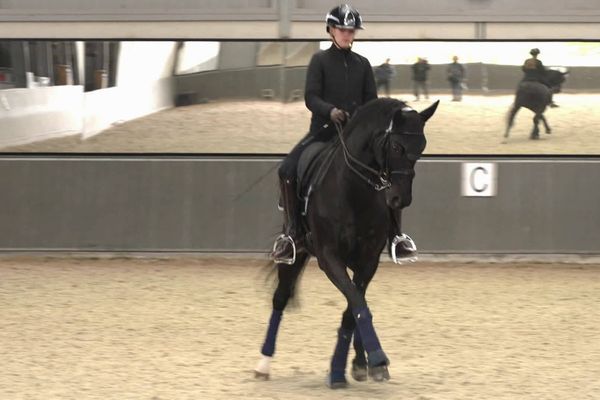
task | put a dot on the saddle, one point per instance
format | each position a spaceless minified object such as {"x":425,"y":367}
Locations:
{"x":314,"y":162}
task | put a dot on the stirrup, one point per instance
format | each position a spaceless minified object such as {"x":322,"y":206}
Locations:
{"x":283,"y":239}
{"x":408,"y":245}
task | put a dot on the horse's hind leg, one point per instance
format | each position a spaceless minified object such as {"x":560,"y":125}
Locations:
{"x":511,"y":118}
{"x":287,"y":277}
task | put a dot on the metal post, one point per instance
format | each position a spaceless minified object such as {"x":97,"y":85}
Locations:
{"x":285,"y":17}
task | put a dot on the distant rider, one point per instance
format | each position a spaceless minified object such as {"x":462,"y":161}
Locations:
{"x":535,"y":71}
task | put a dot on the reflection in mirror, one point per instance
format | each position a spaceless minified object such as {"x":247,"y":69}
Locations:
{"x":248,"y":97}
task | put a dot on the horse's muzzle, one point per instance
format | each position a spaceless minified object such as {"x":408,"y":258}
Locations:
{"x":396,"y":201}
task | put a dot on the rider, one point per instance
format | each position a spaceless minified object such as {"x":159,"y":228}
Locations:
{"x":535,"y":71}
{"x":338,"y":81}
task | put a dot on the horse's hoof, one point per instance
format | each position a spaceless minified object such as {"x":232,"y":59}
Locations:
{"x":261,"y":376}
{"x":336,"y":381}
{"x":549,"y":131}
{"x":380,"y":373}
{"x":359,"y":373}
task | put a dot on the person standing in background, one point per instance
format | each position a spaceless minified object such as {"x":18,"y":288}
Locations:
{"x":420,"y":70}
{"x":456,"y":75}
{"x":383,"y":76}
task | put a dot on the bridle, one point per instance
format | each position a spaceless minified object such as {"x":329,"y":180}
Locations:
{"x":382,"y":178}
{"x":381,"y":181}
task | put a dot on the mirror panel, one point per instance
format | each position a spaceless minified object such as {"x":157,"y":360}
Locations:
{"x":248,"y":97}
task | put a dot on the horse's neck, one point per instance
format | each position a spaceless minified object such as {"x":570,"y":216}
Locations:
{"x":358,"y":146}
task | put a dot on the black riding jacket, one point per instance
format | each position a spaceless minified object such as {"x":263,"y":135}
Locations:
{"x":535,"y":71}
{"x":337,"y":78}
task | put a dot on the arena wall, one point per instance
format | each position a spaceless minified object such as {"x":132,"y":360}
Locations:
{"x":251,"y":82}
{"x":228,"y":204}
{"x":118,"y":203}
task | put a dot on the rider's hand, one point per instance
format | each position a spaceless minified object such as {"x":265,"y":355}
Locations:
{"x":337,"y":115}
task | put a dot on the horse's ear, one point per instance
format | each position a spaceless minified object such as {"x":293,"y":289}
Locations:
{"x":429,"y":111}
{"x":398,"y":118}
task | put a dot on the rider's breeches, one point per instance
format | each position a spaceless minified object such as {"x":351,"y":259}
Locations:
{"x":287,"y":169}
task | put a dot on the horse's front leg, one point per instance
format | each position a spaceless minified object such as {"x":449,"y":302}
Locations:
{"x":359,"y":363}
{"x":347,"y":332}
{"x":548,"y":130}
{"x":336,"y":271}
{"x":360,"y":369}
{"x":535,"y":133}
{"x":287,"y":276}
{"x":337,"y":372}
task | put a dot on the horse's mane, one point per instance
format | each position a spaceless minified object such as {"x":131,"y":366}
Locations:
{"x":373,"y":116}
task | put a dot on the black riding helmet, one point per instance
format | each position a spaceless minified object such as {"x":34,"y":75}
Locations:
{"x":534,"y":52}
{"x":344,"y":16}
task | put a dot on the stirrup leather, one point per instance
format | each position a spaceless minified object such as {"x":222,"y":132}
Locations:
{"x":408,"y":245}
{"x":280,"y":242}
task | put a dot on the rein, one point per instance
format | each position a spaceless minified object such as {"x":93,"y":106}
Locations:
{"x":383,"y":183}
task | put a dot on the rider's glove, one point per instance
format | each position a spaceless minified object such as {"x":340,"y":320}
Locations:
{"x":337,"y":115}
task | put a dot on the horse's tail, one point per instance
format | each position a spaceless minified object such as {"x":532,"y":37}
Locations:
{"x":274,"y":272}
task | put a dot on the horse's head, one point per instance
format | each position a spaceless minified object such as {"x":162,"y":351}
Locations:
{"x":556,"y":77}
{"x":403,"y":143}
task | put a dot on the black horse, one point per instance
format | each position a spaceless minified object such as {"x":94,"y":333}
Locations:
{"x":366,"y":180}
{"x":536,"y":96}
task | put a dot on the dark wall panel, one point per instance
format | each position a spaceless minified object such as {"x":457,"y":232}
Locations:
{"x":216,"y":204}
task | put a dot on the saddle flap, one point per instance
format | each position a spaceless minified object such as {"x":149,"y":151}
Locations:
{"x":312,"y":165}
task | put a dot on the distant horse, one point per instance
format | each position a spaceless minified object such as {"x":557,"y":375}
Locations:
{"x":364,"y":180}
{"x":536,"y":96}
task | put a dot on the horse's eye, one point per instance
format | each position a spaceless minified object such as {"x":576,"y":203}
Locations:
{"x":396,"y":147}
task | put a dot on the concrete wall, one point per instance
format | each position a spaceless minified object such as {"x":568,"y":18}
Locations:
{"x":424,"y":10}
{"x":298,"y":19}
{"x":215,"y":204}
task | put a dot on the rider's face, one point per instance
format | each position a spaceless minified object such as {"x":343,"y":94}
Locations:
{"x":343,"y":37}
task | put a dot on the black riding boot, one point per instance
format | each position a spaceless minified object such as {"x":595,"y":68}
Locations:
{"x":286,"y":245}
{"x":552,"y":104}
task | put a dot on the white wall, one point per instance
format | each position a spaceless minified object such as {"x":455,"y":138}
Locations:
{"x":28,"y":115}
{"x":105,"y":107}
{"x":144,"y":86}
